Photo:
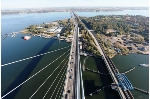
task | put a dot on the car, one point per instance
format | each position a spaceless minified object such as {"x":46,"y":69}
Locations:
{"x":68,"y":91}
{"x":70,"y":77}
{"x":66,"y":95}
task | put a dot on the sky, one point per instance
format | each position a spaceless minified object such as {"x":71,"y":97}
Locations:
{"x":13,"y":4}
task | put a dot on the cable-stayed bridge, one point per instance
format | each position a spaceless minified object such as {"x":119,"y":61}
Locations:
{"x":67,"y":82}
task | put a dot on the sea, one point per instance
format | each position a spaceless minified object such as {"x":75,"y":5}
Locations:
{"x":15,"y":48}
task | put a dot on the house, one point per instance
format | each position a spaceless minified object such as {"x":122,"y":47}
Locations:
{"x":39,"y":27}
{"x":52,"y":29}
{"x":97,"y":19}
{"x":130,"y":48}
{"x":142,"y":49}
{"x":110,"y":31}
{"x":58,"y":30}
{"x":118,"y":50}
{"x":136,"y":24}
{"x":54,"y":23}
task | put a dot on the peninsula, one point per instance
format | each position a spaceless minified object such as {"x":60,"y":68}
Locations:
{"x":118,"y":34}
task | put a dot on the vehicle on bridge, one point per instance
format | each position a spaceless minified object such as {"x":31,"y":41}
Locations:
{"x":70,"y":77}
{"x":71,"y":62}
{"x":68,"y":91}
{"x":66,"y":96}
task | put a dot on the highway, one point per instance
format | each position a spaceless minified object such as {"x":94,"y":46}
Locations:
{"x":72,"y":74}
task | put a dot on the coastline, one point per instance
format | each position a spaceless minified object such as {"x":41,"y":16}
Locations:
{"x":143,"y":53}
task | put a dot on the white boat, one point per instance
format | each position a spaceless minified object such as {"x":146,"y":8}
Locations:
{"x":144,"y":65}
{"x":26,"y":37}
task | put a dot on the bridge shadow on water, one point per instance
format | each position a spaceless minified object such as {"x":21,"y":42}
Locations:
{"x":26,"y":72}
{"x":90,"y":87}
{"x":106,"y":80}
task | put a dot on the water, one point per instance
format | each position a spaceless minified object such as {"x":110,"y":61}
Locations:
{"x":130,"y":12}
{"x":93,"y":81}
{"x":13,"y":49}
{"x":17,"y":22}
{"x":139,"y":77}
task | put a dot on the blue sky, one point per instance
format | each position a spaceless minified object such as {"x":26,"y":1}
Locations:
{"x":8,"y":4}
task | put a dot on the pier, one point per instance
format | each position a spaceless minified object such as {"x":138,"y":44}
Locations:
{"x":100,"y":89}
{"x":141,"y":90}
{"x":13,"y":34}
{"x":95,"y":71}
{"x":5,"y":36}
{"x":129,"y":70}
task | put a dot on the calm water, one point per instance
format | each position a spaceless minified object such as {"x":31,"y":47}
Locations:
{"x":130,"y":12}
{"x":139,"y":77}
{"x":13,"y":49}
{"x":16,"y":48}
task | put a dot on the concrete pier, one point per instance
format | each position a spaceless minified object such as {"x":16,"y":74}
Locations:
{"x":99,"y":90}
{"x":129,"y":70}
{"x":141,"y":90}
{"x":95,"y":71}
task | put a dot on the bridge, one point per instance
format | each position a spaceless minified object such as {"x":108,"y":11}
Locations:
{"x":124,"y":94}
{"x":71,"y":85}
{"x":73,"y":75}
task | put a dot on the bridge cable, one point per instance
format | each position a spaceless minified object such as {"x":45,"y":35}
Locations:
{"x":50,"y":76}
{"x":58,"y":83}
{"x":61,"y":86}
{"x":55,"y":80}
{"x":33,"y":75}
{"x":61,"y":91}
{"x":33,"y":56}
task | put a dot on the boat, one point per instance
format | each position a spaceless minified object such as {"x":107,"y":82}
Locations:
{"x":26,"y":37}
{"x":144,"y":65}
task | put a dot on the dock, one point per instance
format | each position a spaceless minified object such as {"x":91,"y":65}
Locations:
{"x":129,"y":70}
{"x":5,"y":37}
{"x":141,"y":90}
{"x":95,"y":71}
{"x":99,"y":89}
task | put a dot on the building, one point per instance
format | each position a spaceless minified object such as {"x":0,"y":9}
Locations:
{"x":54,"y":23}
{"x":80,"y":45}
{"x":58,"y":30}
{"x":52,"y":30}
{"x":130,"y":48}
{"x":110,"y":31}
{"x":142,"y":48}
{"x":118,"y":50}
{"x":39,"y":27}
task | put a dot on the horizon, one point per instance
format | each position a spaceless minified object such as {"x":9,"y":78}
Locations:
{"x":76,"y":7}
{"x":25,"y":4}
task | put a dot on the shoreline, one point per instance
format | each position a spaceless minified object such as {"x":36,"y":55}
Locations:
{"x":130,"y":53}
